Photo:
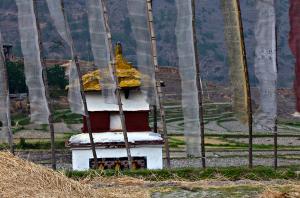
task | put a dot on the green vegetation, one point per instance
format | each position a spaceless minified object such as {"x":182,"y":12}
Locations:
{"x":214,"y":142}
{"x":24,"y":121}
{"x":64,"y":115}
{"x":211,"y":192}
{"x":67,"y":116}
{"x":39,"y":144}
{"x":20,"y":120}
{"x":23,"y":144}
{"x":57,"y":77}
{"x":194,"y":174}
{"x":16,"y":77}
{"x":175,"y":142}
{"x":291,"y":123}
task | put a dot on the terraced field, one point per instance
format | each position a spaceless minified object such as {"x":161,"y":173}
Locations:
{"x":219,"y":119}
{"x":226,"y":138}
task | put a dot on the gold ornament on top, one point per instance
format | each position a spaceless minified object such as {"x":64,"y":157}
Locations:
{"x":128,"y":76}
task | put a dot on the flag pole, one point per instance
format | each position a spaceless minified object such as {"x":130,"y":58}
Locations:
{"x":45,"y":79}
{"x":154,"y":108}
{"x":249,"y":105}
{"x":86,"y":112}
{"x":199,"y":87}
{"x":275,"y":132}
{"x":158,"y":90}
{"x":118,"y":90}
{"x":275,"y":146}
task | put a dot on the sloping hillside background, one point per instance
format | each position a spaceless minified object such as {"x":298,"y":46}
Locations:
{"x":209,"y":27}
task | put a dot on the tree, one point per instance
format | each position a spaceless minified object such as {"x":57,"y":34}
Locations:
{"x":16,"y":77}
{"x":57,"y":77}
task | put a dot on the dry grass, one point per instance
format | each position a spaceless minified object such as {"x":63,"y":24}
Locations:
{"x":20,"y":178}
{"x":292,"y":191}
{"x":125,"y":186}
{"x":272,"y":189}
{"x":35,"y":135}
{"x":215,"y":141}
{"x":273,"y":194}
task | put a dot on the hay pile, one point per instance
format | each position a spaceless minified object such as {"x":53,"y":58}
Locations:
{"x":20,"y":178}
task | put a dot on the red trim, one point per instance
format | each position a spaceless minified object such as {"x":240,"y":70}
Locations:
{"x":137,"y":121}
{"x":100,"y":122}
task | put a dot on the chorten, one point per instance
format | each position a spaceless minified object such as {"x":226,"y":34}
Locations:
{"x":145,"y":145}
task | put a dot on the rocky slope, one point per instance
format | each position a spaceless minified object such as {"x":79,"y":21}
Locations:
{"x":209,"y":29}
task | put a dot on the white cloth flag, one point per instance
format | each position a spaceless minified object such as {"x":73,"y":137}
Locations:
{"x":32,"y":62}
{"x":100,"y":49}
{"x":187,"y":69}
{"x":61,"y":24}
{"x":265,"y":65}
{"x":139,"y":23}
{"x":4,"y":98}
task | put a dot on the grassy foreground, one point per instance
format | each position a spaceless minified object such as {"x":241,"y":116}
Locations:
{"x":194,"y":174}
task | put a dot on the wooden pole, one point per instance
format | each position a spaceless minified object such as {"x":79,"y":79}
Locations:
{"x":158,"y":90}
{"x":155,"y":119}
{"x":275,"y":132}
{"x":249,"y":104}
{"x":118,"y":90}
{"x":86,"y":112}
{"x":6,"y":87}
{"x":45,"y":79}
{"x":199,"y":87}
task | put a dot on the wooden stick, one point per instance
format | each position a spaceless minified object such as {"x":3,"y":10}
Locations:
{"x":158,"y":90}
{"x":199,"y":87}
{"x":155,"y":119}
{"x":275,"y":132}
{"x":118,"y":90}
{"x":6,"y":87}
{"x":45,"y":79}
{"x":86,"y":112}
{"x":249,"y":104}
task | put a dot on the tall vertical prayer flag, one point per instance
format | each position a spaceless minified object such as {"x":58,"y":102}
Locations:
{"x":139,"y":23}
{"x":4,"y":98}
{"x":32,"y":62}
{"x":187,"y":70}
{"x":61,"y":24}
{"x":265,"y":65}
{"x":294,"y":42}
{"x":237,"y":63}
{"x":100,"y":48}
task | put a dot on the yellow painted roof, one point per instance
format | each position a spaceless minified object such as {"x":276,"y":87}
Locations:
{"x":127,"y":75}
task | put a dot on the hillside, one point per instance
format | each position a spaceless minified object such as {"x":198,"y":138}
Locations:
{"x":209,"y":28}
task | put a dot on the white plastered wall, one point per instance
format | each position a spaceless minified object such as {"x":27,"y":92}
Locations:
{"x":135,"y":102}
{"x":82,"y":156}
{"x":115,"y":121}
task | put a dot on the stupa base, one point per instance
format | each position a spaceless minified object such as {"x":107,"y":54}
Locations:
{"x":145,"y":147}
